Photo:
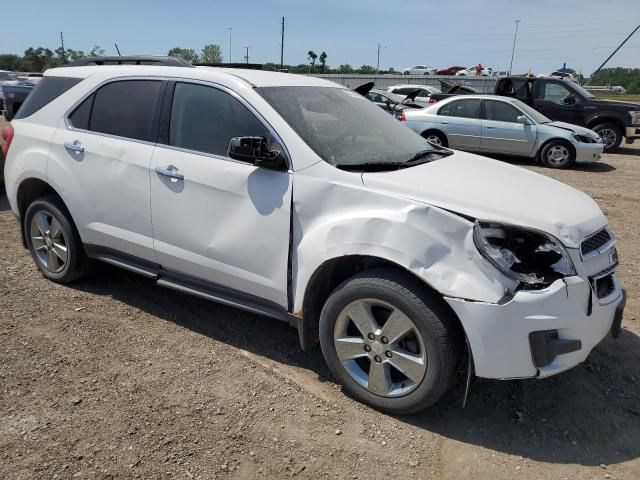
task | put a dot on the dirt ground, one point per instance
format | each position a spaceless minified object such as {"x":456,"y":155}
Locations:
{"x":113,"y":377}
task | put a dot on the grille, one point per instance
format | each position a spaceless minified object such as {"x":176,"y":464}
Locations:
{"x":595,"y":241}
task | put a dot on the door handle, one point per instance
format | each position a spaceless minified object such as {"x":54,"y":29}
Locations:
{"x":170,"y":171}
{"x":490,"y":128}
{"x":76,"y":146}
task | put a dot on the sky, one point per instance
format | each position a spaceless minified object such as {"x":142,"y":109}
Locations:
{"x":438,"y":33}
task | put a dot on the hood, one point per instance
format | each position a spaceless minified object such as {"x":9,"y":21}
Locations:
{"x":491,"y":190}
{"x":574,"y":128}
{"x":616,"y":103}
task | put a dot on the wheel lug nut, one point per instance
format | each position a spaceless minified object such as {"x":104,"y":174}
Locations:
{"x":377,"y":358}
{"x":371,"y":336}
{"x":388,"y":354}
{"x":384,"y":340}
{"x":367,"y":348}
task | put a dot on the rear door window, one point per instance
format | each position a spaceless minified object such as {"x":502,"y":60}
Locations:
{"x":44,"y":93}
{"x":123,"y":108}
{"x":465,"y":108}
{"x":204,"y":119}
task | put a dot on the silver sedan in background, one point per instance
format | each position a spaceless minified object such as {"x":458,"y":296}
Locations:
{"x":493,"y":124}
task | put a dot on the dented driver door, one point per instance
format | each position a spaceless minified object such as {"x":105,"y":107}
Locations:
{"x":216,"y":219}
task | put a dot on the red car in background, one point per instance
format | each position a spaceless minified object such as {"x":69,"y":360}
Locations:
{"x":450,"y":70}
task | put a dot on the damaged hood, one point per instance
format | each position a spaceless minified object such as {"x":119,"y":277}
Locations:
{"x":573,"y":128}
{"x":491,"y":190}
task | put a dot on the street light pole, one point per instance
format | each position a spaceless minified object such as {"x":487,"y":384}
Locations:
{"x":380,"y":46}
{"x":230,"y":44}
{"x":513,"y":51}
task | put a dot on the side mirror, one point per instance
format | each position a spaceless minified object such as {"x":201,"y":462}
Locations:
{"x":570,"y":100}
{"x":523,"y":120}
{"x":255,"y":150}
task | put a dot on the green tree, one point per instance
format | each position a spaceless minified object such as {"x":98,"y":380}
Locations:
{"x":96,"y":51}
{"x":323,"y":60}
{"x":368,"y":69}
{"x":629,"y":78}
{"x":311,"y":56}
{"x":38,"y":59}
{"x":211,"y":54}
{"x":10,"y":61}
{"x":187,"y":54}
{"x":346,"y":68}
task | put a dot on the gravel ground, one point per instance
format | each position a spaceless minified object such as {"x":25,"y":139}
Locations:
{"x":113,"y":377}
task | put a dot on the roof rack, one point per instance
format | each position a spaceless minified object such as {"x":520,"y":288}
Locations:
{"x":249,"y":66}
{"x":131,"y":60}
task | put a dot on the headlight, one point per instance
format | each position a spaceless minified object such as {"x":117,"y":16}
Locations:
{"x":635,"y":116}
{"x":528,"y":256}
{"x":584,"y":138}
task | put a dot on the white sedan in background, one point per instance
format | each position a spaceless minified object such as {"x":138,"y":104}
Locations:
{"x":419,"y":70}
{"x":493,"y":124}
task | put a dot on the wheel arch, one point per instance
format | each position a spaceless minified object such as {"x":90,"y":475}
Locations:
{"x":29,"y":190}
{"x":554,"y":139}
{"x":429,"y":130}
{"x":597,"y":120}
{"x":330,"y":274}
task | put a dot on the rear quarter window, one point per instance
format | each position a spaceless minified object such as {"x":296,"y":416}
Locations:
{"x":44,"y":93}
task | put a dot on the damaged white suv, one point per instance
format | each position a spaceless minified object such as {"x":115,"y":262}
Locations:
{"x":295,"y":198}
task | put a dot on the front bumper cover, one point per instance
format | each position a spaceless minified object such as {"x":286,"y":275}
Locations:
{"x":499,"y":335}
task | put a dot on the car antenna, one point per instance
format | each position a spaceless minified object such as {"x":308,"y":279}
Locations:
{"x":117,"y":49}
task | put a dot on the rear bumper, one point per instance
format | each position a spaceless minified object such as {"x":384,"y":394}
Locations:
{"x":588,"y":152}
{"x":500,"y":336}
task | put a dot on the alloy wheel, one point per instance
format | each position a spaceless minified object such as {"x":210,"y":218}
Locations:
{"x":48,"y":241}
{"x":435,"y":139}
{"x":380,"y":348}
{"x":609,"y":137}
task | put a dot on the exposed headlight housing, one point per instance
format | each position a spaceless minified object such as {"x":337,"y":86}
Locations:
{"x":533,"y":258}
{"x":635,"y":116}
{"x":585,"y":138}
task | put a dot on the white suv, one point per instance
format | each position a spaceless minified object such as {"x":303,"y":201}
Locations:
{"x":296,"y":198}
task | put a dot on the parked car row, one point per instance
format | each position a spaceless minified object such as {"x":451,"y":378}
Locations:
{"x":403,"y":259}
{"x":477,"y":71}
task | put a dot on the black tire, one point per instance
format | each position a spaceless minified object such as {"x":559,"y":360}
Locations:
{"x":432,"y":134}
{"x":77,"y":264}
{"x":1,"y":173}
{"x":557,"y":147}
{"x":440,"y":335}
{"x":611,"y":135}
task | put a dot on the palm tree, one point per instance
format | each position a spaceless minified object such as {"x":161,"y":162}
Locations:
{"x":323,"y":60}
{"x":311,"y":55}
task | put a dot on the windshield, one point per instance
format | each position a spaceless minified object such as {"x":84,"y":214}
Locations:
{"x":534,"y":115}
{"x":343,"y":127}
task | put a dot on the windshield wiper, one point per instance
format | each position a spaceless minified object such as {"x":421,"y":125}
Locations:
{"x":421,"y":157}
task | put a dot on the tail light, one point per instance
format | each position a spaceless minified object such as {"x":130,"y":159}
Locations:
{"x":7,"y":136}
{"x":402,"y":117}
{"x":432,"y":101}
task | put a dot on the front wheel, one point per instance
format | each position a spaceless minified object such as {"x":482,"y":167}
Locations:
{"x":557,"y":154}
{"x":389,"y":341}
{"x":611,"y":135}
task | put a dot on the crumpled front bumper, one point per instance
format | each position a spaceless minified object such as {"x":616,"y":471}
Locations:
{"x":588,"y":152}
{"x":499,"y":335}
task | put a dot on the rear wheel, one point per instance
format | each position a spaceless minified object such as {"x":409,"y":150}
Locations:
{"x":557,"y":154}
{"x":611,"y":135}
{"x":389,"y":341}
{"x":435,"y":137}
{"x":53,"y":241}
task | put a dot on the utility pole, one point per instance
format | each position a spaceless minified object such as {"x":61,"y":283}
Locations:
{"x":246,"y":57}
{"x":614,"y":52}
{"x":513,"y":51}
{"x":282,"y":46}
{"x":230,"y":44}
{"x":64,"y":52}
{"x":378,"y":64}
